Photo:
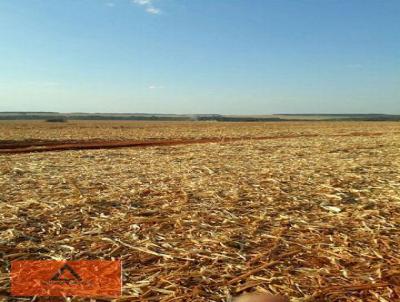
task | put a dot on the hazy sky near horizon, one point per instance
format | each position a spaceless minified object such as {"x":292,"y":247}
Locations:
{"x":200,"y":56}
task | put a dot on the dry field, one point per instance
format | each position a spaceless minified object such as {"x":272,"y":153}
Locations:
{"x":309,"y":210}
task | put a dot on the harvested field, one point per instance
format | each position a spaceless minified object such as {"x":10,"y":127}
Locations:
{"x":30,"y":146}
{"x":312,"y":214}
{"x":126,"y":130}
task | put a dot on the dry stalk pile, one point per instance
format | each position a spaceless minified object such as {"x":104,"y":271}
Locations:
{"x":315,"y":219}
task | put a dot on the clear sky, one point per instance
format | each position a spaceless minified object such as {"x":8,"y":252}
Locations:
{"x":200,"y":56}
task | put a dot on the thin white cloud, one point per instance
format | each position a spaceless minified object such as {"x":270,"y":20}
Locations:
{"x":153,"y":10}
{"x":110,"y":4}
{"x":148,"y":6}
{"x":143,"y":2}
{"x":155,"y":87}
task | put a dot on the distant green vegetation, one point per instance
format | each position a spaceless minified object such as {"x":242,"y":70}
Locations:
{"x":57,"y":120}
{"x":58,"y":117}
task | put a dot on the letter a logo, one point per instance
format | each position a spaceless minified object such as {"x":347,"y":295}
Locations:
{"x":66,"y":273}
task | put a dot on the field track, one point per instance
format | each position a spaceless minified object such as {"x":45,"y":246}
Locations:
{"x":29,"y":146}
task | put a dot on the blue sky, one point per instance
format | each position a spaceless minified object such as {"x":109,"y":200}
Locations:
{"x":200,"y":56}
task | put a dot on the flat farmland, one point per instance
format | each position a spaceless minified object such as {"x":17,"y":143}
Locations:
{"x":123,"y":130}
{"x":308,"y":210}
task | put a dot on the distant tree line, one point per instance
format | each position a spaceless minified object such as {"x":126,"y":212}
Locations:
{"x":57,"y":117}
